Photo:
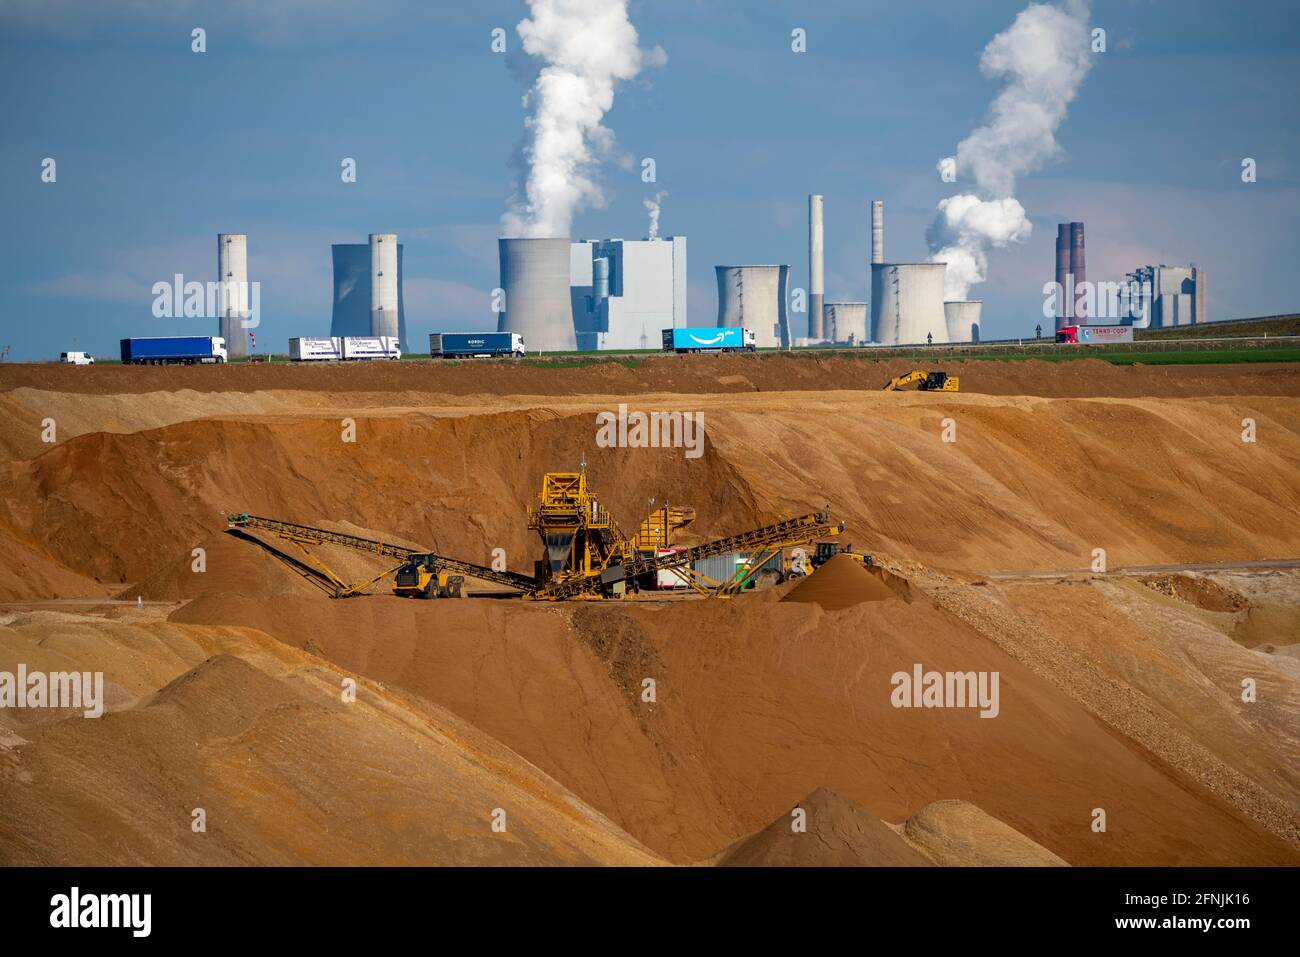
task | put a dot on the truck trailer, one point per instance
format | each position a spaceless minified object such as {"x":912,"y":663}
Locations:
{"x":173,"y":350}
{"x":1094,"y":335}
{"x":715,"y":339}
{"x":303,"y":349}
{"x":476,"y":345}
{"x":371,"y":347}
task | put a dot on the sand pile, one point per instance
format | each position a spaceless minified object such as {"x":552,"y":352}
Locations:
{"x":256,"y":564}
{"x":1022,"y":485}
{"x":757,"y":703}
{"x":840,"y":833}
{"x":1110,"y":695}
{"x":258,"y":736}
{"x":958,"y":834}
{"x":841,"y":583}
{"x":1197,"y":590}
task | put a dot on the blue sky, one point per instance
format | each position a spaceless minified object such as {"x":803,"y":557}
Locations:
{"x":159,"y":149}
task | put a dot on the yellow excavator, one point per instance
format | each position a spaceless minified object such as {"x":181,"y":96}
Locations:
{"x":927,"y":381}
{"x":420,"y":577}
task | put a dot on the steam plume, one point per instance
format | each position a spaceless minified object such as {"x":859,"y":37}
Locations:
{"x":588,"y":46}
{"x":653,"y":205}
{"x":1042,"y":58}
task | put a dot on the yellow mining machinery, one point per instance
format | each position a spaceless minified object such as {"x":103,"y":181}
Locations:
{"x":584,"y":552}
{"x":414,"y":573}
{"x":928,"y":381}
{"x":587,"y":555}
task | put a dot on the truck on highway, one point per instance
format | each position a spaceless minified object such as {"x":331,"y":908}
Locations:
{"x":1094,"y":335}
{"x":476,"y":345}
{"x":173,"y":350}
{"x":303,"y":349}
{"x":715,"y":339}
{"x":76,"y":359}
{"x":371,"y":347}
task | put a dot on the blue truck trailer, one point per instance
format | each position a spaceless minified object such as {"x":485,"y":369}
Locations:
{"x":715,"y":339}
{"x":173,"y":350}
{"x":478,"y":345}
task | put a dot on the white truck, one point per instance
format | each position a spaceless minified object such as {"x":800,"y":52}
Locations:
{"x":340,"y":348}
{"x":371,"y":347}
{"x":76,"y":359}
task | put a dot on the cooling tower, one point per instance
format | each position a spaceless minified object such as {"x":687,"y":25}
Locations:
{"x":354,"y":296}
{"x":535,"y":277}
{"x":1078,"y":269}
{"x":907,"y":303}
{"x":962,"y":319}
{"x":232,"y":292}
{"x":383,"y":284}
{"x":846,"y":322}
{"x":754,"y":297}
{"x":816,"y":289}
{"x":1062,"y":272}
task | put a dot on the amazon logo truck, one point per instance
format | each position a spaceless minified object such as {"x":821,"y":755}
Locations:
{"x":720,"y":339}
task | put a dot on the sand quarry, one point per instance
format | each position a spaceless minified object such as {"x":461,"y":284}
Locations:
{"x":1120,"y":692}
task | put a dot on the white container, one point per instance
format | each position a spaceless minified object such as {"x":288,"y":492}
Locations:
{"x":315,"y":350}
{"x":667,"y":578}
{"x":371,"y":347}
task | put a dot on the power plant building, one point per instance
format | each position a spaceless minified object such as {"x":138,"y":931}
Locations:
{"x":368,"y":289}
{"x":906,"y":298}
{"x":962,"y":318}
{"x":1169,"y":296}
{"x":624,"y":293}
{"x":1071,"y":274}
{"x":535,"y":274}
{"x":232,"y":292}
{"x":907,"y":303}
{"x":754,"y":297}
{"x":816,"y":269}
{"x":845,"y":322}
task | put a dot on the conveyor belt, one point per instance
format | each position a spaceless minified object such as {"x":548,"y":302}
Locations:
{"x":791,"y":531}
{"x":306,"y":533}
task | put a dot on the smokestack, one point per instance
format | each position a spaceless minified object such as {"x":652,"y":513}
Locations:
{"x":232,"y":292}
{"x":1062,"y":272}
{"x":877,"y":231}
{"x":816,"y":287}
{"x":383,"y":284}
{"x":1079,"y":269}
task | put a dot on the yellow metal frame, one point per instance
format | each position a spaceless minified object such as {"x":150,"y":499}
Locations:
{"x":342,"y":589}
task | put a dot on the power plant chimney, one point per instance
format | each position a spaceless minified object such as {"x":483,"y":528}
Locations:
{"x":877,"y":232}
{"x":1062,"y":273}
{"x":232,"y":292}
{"x":1078,"y":269}
{"x":816,"y":277}
{"x":383,"y":284}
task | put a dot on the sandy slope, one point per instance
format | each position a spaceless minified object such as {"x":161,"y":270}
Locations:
{"x":1114,"y":694}
{"x":1029,"y":483}
{"x":257,"y":735}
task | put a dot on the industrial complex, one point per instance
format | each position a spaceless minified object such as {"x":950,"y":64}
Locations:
{"x":620,"y":295}
{"x":615,"y":572}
